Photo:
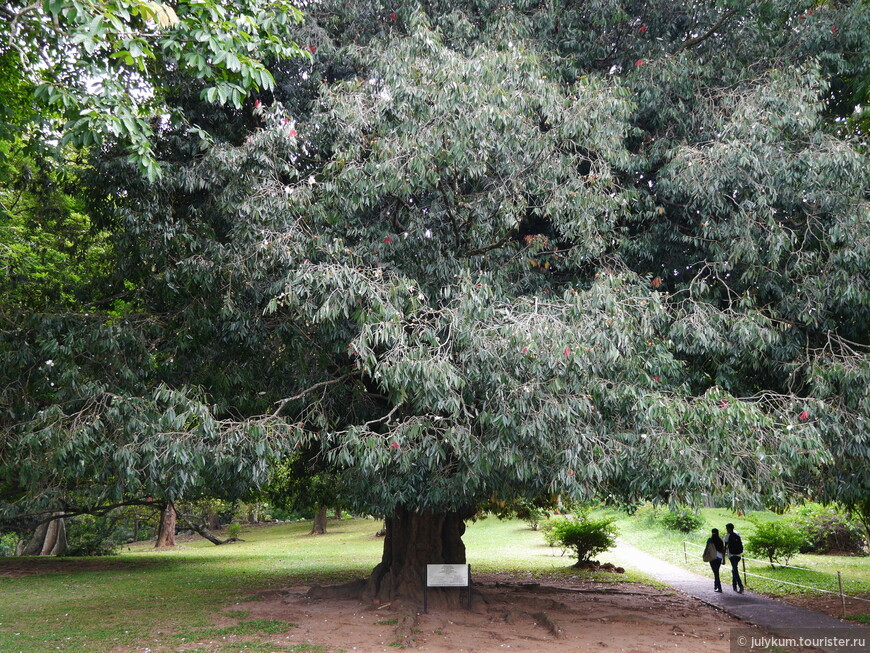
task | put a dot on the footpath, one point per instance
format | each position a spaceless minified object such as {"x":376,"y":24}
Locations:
{"x":776,"y":617}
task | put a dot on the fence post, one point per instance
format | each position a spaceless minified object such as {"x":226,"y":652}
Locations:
{"x":685,"y":555}
{"x":842,"y":597}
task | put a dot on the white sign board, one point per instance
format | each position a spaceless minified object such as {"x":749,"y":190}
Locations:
{"x":447,"y":576}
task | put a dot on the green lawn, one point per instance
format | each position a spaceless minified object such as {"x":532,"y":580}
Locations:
{"x":669,"y":545}
{"x":163,"y":599}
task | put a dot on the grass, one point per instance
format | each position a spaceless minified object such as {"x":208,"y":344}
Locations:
{"x":171,"y":600}
{"x":148,"y":599}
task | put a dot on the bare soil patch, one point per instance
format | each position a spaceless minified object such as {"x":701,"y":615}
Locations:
{"x":17,"y":567}
{"x":506,"y":614}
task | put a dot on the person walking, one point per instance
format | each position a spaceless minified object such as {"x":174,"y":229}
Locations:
{"x":734,"y":549}
{"x":714,"y":553}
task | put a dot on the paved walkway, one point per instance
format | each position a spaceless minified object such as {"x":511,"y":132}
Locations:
{"x":776,"y":617}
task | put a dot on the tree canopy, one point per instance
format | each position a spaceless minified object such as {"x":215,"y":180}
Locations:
{"x":483,"y":250}
{"x":95,"y":67}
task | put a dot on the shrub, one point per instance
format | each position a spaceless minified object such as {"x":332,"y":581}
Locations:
{"x":532,"y":515}
{"x":586,"y":537}
{"x":90,"y":536}
{"x":827,"y":530}
{"x":234,"y":530}
{"x":648,"y":513}
{"x":548,"y":529}
{"x":777,"y":541}
{"x":682,"y":519}
{"x":8,"y":544}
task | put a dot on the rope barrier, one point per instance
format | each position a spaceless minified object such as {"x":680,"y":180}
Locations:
{"x":815,"y":589}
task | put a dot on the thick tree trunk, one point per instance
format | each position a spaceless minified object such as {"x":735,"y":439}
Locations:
{"x":166,"y":531}
{"x":319,"y":525}
{"x":49,"y":539}
{"x":413,"y":540}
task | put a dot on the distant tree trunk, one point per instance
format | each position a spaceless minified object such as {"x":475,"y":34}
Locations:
{"x":338,"y":513}
{"x":319,"y":525}
{"x":166,"y":530}
{"x":413,"y":540}
{"x":49,"y":539}
{"x":213,"y":519}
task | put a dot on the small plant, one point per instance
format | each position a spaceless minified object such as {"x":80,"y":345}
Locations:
{"x":647,"y":513}
{"x":234,"y":530}
{"x":682,"y":519}
{"x":8,"y":544}
{"x":584,"y":536}
{"x":777,"y":541}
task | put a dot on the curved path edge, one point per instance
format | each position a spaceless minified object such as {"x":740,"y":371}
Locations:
{"x":777,"y":617}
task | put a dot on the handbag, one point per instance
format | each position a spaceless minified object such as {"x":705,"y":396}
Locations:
{"x":709,"y":552}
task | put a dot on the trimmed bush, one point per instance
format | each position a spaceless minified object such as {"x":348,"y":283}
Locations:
{"x":682,"y":519}
{"x":777,"y":541}
{"x":585,"y":537}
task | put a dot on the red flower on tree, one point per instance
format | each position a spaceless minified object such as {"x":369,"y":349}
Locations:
{"x":393,"y":16}
{"x":642,"y":29}
{"x":388,"y":240}
{"x":804,"y":416}
{"x":639,"y":62}
{"x":394,"y":445}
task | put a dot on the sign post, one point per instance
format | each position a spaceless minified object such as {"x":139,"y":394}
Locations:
{"x":446,"y":576}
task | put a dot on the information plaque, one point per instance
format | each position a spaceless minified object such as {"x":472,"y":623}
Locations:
{"x":446,"y":576}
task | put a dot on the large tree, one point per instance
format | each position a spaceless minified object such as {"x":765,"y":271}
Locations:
{"x":489,"y":251}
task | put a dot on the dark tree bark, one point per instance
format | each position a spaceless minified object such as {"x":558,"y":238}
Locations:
{"x":166,"y":531}
{"x":49,"y":539}
{"x":413,"y":540}
{"x":319,"y":525}
{"x":337,"y":513}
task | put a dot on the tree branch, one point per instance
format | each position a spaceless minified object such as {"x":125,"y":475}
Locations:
{"x":322,"y":384}
{"x":690,"y":43}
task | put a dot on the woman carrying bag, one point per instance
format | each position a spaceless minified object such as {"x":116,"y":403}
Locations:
{"x":714,"y":553}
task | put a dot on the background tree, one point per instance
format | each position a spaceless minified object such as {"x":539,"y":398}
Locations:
{"x":301,"y":484}
{"x":95,"y":63}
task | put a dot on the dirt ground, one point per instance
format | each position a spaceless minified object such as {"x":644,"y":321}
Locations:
{"x":509,"y":614}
